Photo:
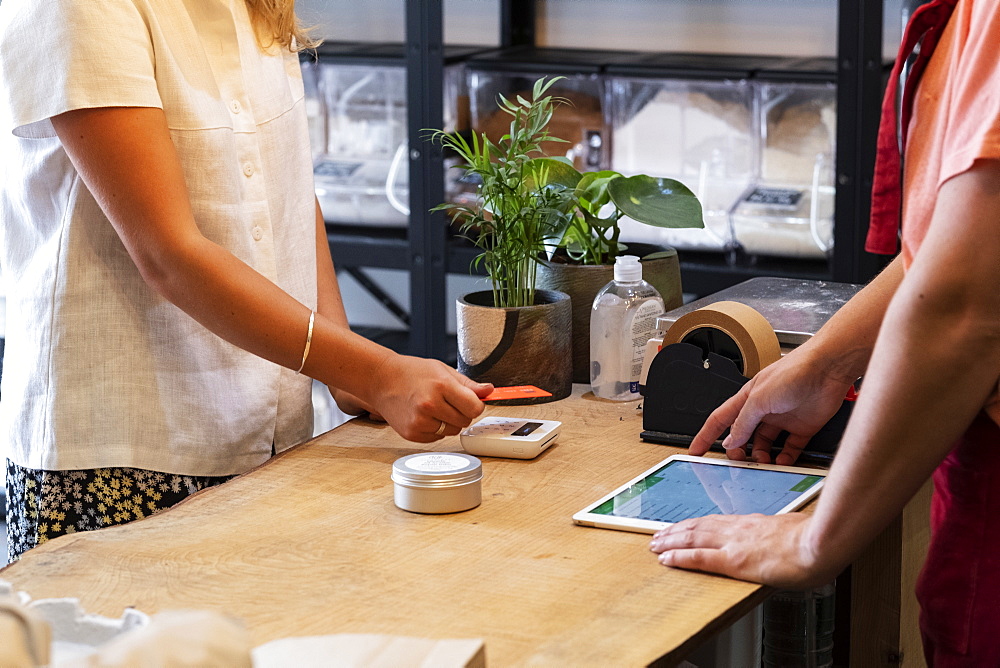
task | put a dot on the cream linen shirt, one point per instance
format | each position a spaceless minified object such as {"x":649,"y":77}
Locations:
{"x":99,"y":369}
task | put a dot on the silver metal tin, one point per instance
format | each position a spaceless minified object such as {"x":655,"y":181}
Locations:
{"x":437,"y":482}
{"x":795,"y":308}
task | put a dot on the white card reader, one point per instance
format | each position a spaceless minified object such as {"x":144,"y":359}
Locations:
{"x":515,"y":438}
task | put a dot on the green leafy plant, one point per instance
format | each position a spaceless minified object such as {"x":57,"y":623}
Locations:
{"x":528,"y":202}
{"x":520,"y":205}
{"x":592,"y":238}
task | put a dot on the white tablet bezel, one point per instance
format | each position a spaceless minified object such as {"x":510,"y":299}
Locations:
{"x":588,"y":518}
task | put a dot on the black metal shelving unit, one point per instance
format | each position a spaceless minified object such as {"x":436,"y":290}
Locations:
{"x":860,"y":74}
{"x":428,"y":252}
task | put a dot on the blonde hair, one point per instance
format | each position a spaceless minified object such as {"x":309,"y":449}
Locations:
{"x":275,"y":22}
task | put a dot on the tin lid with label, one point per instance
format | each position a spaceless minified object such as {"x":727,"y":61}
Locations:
{"x":436,"y":469}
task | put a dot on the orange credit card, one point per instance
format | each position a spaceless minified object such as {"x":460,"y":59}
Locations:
{"x":516,"y":392}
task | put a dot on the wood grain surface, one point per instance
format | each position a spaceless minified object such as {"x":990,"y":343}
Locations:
{"x":311,"y":543}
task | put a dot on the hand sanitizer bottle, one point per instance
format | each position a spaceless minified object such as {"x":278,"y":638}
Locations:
{"x":622,"y":320}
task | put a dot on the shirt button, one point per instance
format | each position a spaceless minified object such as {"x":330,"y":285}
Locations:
{"x":258,"y":233}
{"x":248,"y":169}
{"x":235,"y":106}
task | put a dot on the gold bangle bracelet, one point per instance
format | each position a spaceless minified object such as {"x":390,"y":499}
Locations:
{"x":309,"y":340}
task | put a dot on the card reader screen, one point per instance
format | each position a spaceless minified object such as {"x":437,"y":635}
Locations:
{"x":526,"y":428}
{"x":682,"y":489}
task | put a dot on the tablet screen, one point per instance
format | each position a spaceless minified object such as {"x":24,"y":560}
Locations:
{"x":683,"y":487}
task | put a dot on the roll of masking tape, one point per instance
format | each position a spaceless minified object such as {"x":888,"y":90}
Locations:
{"x":730,"y":329}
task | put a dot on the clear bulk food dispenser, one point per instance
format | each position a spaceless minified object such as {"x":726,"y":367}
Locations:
{"x":788,"y":210}
{"x":357,"y":106}
{"x":687,"y":117}
{"x":513,"y":71}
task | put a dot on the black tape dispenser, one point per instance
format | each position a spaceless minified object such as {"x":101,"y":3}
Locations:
{"x":705,"y":358}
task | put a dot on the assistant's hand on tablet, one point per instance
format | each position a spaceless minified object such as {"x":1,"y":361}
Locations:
{"x":795,"y":394}
{"x":416,"y":395}
{"x":769,"y":549}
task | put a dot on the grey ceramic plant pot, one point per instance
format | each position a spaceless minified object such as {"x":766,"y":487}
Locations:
{"x":527,"y":345}
{"x":583,"y":282}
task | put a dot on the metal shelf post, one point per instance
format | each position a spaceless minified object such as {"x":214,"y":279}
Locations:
{"x":517,"y":22}
{"x":427,"y":231}
{"x":859,"y":94}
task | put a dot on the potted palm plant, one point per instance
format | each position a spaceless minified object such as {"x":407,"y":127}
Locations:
{"x":545,"y":228}
{"x":513,"y":334}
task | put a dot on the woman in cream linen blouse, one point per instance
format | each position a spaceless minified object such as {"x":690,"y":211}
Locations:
{"x":166,"y":262}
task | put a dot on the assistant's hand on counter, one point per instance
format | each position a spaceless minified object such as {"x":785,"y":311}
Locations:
{"x":795,"y":394}
{"x":803,"y":390}
{"x":772,"y":550}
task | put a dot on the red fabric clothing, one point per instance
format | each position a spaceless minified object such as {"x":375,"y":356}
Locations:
{"x":959,"y":586}
{"x":923,"y":31}
{"x":955,"y":122}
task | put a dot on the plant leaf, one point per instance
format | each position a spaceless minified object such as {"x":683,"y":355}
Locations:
{"x":656,"y":201}
{"x":593,"y":190}
{"x":553,"y":170}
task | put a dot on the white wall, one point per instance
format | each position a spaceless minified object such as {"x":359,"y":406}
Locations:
{"x":780,"y":27}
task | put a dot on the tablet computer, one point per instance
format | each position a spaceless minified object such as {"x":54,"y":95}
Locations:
{"x":685,"y":486}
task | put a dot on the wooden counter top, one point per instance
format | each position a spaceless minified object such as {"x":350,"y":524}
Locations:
{"x":311,"y":543}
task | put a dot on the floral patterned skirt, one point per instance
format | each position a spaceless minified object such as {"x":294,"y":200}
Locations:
{"x":44,"y":504}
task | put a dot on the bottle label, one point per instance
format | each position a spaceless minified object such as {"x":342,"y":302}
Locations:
{"x":643,"y":327}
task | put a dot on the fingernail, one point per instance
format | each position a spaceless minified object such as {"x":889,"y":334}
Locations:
{"x":727,"y":442}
